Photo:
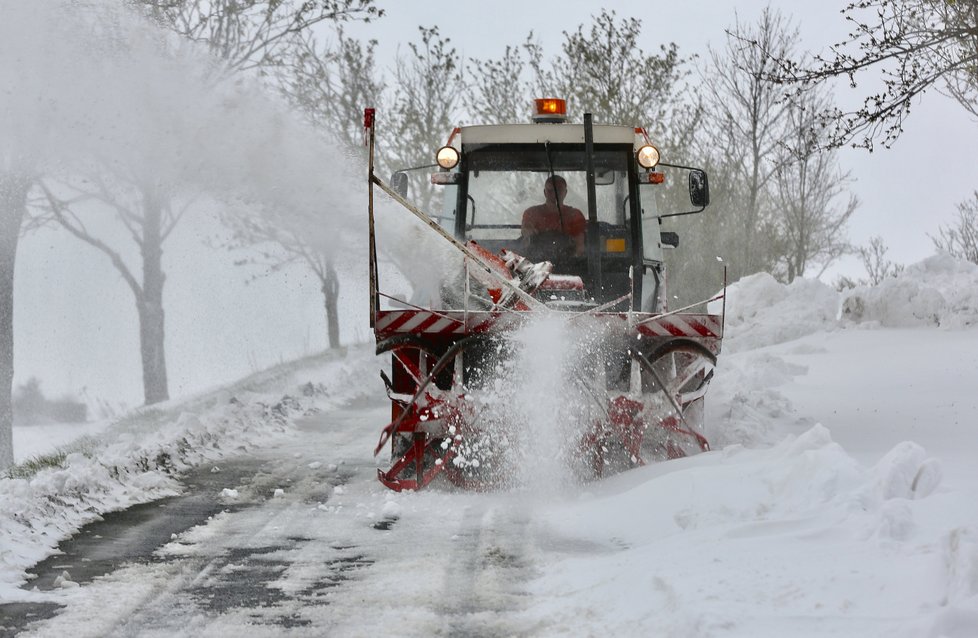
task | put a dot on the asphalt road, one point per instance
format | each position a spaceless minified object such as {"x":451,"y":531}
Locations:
{"x":312,"y":545}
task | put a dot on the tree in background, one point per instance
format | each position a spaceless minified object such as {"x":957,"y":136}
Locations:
{"x":745,"y":124}
{"x":332,"y":82}
{"x":252,"y":35}
{"x":14,"y":188}
{"x":425,"y":106}
{"x":148,"y":211}
{"x":601,"y":69}
{"x":810,"y":225}
{"x":276,"y":247}
{"x":499,"y":91}
{"x":329,"y":83}
{"x":605,"y":71}
{"x":873,"y":258}
{"x":904,"y":47}
{"x":245,"y":36}
{"x":961,"y":238}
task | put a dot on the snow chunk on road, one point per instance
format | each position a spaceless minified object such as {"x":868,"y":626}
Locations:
{"x":906,"y":472}
{"x":391,"y":510}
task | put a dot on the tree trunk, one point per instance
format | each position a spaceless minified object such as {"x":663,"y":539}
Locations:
{"x":150,"y":303}
{"x":13,"y":203}
{"x":331,"y":293}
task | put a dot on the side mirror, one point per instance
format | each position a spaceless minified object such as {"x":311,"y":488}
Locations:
{"x":399,"y":182}
{"x":699,"y":188}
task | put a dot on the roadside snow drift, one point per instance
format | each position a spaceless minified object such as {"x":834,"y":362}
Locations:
{"x":138,"y":458}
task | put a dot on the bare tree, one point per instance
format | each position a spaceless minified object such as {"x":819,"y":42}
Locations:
{"x":276,"y":247}
{"x":14,"y":187}
{"x":602,"y":69}
{"x":147,"y":210}
{"x":961,"y":238}
{"x":745,"y":119}
{"x":428,"y":85}
{"x":499,"y":91}
{"x":245,"y":35}
{"x":877,"y":266}
{"x":606,"y":71}
{"x":332,"y":82}
{"x":808,"y":183}
{"x":252,"y":34}
{"x":907,"y":46}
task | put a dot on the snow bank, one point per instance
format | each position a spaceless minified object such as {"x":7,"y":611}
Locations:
{"x":797,"y":539}
{"x":761,"y":311}
{"x":138,"y":458}
{"x":939,"y":291}
{"x":745,"y":400}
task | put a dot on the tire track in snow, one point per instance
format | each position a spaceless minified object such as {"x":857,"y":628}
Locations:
{"x":489,"y":562}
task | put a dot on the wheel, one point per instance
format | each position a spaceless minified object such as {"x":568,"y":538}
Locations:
{"x":675,"y":377}
{"x":433,"y":418}
{"x":422,"y":386}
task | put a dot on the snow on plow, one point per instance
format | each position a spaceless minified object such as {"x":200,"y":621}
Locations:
{"x":627,"y":377}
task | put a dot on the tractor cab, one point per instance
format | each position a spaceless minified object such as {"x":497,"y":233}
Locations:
{"x":503,"y":192}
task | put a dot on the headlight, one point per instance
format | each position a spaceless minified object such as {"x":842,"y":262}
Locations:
{"x":648,"y":156}
{"x":447,"y":157}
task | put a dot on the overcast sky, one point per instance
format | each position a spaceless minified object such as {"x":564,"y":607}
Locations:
{"x":907,"y":192}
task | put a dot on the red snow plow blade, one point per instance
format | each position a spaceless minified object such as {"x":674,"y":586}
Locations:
{"x":645,"y":404}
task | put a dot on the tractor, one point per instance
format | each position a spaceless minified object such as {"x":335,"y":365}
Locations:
{"x":548,"y":219}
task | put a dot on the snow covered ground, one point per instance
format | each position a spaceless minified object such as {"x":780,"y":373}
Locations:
{"x":841,"y":498}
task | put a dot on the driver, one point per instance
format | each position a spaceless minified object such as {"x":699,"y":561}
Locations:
{"x":554,"y":217}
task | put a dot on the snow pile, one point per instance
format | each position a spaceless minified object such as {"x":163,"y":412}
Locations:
{"x":137,"y":459}
{"x":744,"y":401}
{"x":762,"y":312}
{"x":939,"y":291}
{"x":798,"y":539}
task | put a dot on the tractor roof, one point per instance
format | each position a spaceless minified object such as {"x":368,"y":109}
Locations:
{"x":540,"y":133}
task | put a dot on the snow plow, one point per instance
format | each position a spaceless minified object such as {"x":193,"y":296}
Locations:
{"x":591,"y":254}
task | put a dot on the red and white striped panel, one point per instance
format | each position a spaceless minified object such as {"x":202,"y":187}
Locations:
{"x":683,"y":325}
{"x":391,"y":322}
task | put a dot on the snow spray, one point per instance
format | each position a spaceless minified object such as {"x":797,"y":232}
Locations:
{"x":108,"y":92}
{"x":549,"y":410}
{"x":94,"y":94}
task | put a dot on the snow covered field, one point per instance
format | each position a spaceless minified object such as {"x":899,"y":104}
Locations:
{"x":841,"y":498}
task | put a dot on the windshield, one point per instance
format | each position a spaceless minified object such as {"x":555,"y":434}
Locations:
{"x":505,"y":181}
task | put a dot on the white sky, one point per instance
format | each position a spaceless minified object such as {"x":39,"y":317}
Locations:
{"x":907,"y":192}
